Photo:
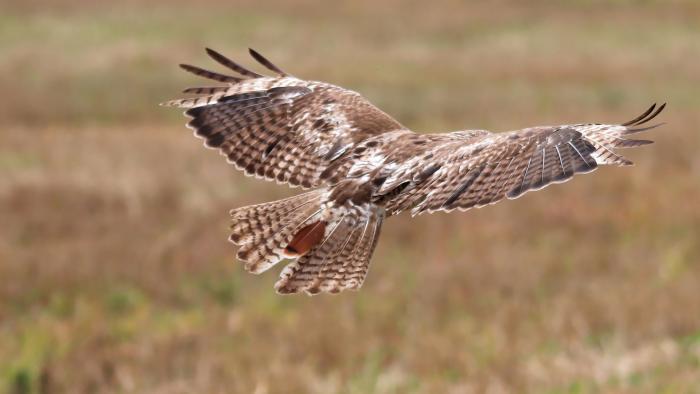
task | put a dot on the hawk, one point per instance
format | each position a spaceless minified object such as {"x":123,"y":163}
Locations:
{"x":362,"y":166}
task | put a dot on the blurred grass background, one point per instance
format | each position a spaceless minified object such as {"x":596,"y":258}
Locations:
{"x":115,"y":273}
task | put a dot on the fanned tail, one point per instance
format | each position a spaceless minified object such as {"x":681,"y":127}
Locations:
{"x":331,"y":243}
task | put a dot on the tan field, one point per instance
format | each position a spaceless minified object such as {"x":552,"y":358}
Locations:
{"x":115,"y":272}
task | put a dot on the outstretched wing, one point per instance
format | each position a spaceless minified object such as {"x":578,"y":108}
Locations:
{"x":468,"y":170}
{"x":279,"y":128}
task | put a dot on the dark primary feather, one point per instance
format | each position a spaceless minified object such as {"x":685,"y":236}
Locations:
{"x":209,"y":74}
{"x":206,"y":89}
{"x":268,"y":64}
{"x":640,"y":117}
{"x":226,"y":62}
{"x":645,"y":117}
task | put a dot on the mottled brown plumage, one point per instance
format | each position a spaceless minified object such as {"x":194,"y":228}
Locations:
{"x":364,"y":166}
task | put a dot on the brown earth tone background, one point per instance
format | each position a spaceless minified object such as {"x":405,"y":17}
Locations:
{"x":115,"y":273}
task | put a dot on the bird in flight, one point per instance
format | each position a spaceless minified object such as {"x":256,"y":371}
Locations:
{"x":361,"y":166}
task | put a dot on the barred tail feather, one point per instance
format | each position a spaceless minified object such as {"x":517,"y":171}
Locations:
{"x":331,"y":244}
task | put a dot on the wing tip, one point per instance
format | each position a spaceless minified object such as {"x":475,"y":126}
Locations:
{"x":266,"y":62}
{"x":230,"y":64}
{"x":652,"y":112}
{"x":200,"y":72}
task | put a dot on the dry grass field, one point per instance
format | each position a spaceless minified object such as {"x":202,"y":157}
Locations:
{"x":115,"y":273}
